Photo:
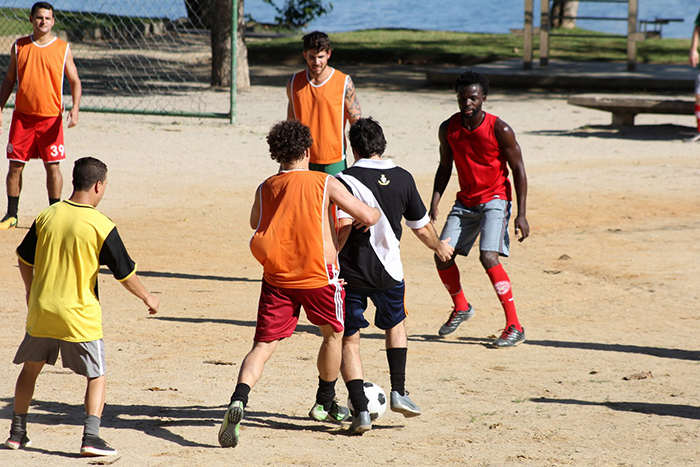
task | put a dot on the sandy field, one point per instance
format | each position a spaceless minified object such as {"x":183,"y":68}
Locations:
{"x":606,"y":286}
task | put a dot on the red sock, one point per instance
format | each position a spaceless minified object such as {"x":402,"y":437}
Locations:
{"x":697,"y":115}
{"x":450,"y":279}
{"x":501,"y":283}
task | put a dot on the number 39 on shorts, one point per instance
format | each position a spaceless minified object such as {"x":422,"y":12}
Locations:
{"x":57,"y":149}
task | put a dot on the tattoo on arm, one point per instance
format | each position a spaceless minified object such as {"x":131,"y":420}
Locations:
{"x":352,"y":104}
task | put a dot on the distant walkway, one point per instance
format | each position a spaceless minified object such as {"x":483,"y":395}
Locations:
{"x":578,"y":75}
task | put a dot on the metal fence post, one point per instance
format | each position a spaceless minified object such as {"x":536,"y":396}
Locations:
{"x":234,"y":59}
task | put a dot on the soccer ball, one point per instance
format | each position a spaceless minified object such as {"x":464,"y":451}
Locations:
{"x":377,"y":400}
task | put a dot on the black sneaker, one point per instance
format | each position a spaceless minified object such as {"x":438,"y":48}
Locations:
{"x":96,"y":446}
{"x":456,"y":318}
{"x":18,"y":440}
{"x":510,"y":338}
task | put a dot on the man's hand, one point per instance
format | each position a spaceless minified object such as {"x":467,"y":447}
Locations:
{"x":522,"y":228}
{"x":694,"y":58}
{"x":152,"y":303}
{"x":72,"y":117}
{"x":445,"y":251}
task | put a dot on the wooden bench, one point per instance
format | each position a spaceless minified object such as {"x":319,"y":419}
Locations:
{"x":625,"y":107}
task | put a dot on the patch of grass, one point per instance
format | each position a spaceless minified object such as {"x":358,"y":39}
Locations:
{"x":15,"y":21}
{"x":417,"y":47}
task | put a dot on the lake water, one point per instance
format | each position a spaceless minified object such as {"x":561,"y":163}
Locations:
{"x":447,"y":15}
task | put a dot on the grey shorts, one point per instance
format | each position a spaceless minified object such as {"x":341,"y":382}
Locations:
{"x":490,"y":220}
{"x":697,"y":84}
{"x":84,"y":358}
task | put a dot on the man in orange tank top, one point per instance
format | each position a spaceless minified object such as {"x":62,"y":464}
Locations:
{"x":482,"y":146}
{"x":38,"y":64}
{"x":296,"y":242}
{"x":323,"y":99}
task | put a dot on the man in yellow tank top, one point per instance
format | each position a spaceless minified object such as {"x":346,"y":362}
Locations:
{"x":38,"y":64}
{"x":323,"y":99}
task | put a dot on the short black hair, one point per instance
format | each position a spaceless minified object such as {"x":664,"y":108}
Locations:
{"x":86,"y":172}
{"x":367,"y":138}
{"x":316,"y":40}
{"x":472,"y":77}
{"x":41,"y":5}
{"x":288,"y":141}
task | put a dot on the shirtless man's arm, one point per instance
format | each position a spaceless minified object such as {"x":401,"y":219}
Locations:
{"x":511,"y":151}
{"x":8,"y":84}
{"x":76,"y":89}
{"x":290,"y":107}
{"x":352,"y":104}
{"x":342,"y":198}
{"x":444,"y":171}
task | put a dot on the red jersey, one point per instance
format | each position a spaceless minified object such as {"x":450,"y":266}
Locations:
{"x":481,"y":168}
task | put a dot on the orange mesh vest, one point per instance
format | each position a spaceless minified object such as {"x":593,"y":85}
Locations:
{"x":322,"y":109}
{"x":40,"y":71}
{"x":289,"y":239}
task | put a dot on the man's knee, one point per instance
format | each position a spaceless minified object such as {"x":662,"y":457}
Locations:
{"x":489,"y":259}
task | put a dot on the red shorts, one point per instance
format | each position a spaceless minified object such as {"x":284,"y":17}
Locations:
{"x":278,"y":309}
{"x":33,"y":137}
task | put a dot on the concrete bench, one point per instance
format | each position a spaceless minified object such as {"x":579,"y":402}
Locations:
{"x":625,"y":107}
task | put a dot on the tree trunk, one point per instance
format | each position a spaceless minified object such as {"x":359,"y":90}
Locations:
{"x":198,"y":13}
{"x":561,"y":8}
{"x":220,"y":20}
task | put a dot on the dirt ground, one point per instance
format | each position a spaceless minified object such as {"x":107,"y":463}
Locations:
{"x":606,"y":287}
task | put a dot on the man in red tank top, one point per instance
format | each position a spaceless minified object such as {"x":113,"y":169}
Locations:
{"x":482,"y":147}
{"x":38,"y":64}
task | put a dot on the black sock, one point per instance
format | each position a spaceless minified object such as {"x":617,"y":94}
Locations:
{"x":241,"y":394}
{"x":92,"y":426}
{"x":325,"y":393}
{"x":397,"y":368}
{"x":54,"y":201}
{"x":19,"y":423}
{"x":356,"y":391}
{"x":12,"y":206}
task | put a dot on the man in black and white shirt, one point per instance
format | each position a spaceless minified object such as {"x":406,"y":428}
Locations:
{"x":370,"y":263}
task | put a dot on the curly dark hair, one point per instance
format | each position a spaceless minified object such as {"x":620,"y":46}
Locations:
{"x":472,"y":77}
{"x":367,"y":137}
{"x":316,"y":40}
{"x":288,"y":141}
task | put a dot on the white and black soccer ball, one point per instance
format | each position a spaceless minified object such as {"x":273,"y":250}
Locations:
{"x":377,"y":400}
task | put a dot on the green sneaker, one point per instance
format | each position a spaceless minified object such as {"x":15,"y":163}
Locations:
{"x":337,"y":413}
{"x":231,"y":426}
{"x":8,"y":222}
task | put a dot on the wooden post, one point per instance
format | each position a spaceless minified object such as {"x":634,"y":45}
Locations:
{"x":544,"y":32}
{"x":632,"y":35}
{"x":527,"y":35}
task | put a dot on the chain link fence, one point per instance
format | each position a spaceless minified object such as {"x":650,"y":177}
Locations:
{"x":133,"y":56}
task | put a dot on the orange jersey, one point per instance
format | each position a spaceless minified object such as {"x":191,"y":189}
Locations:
{"x":40,"y":71}
{"x":322,"y":108}
{"x":289,"y":240}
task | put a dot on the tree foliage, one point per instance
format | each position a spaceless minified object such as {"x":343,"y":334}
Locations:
{"x":296,"y":14}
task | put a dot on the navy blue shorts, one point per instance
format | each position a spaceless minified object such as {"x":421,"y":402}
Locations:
{"x":390,"y":309}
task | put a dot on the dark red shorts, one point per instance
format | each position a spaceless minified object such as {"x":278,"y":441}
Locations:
{"x":278,"y":309}
{"x":33,"y":137}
